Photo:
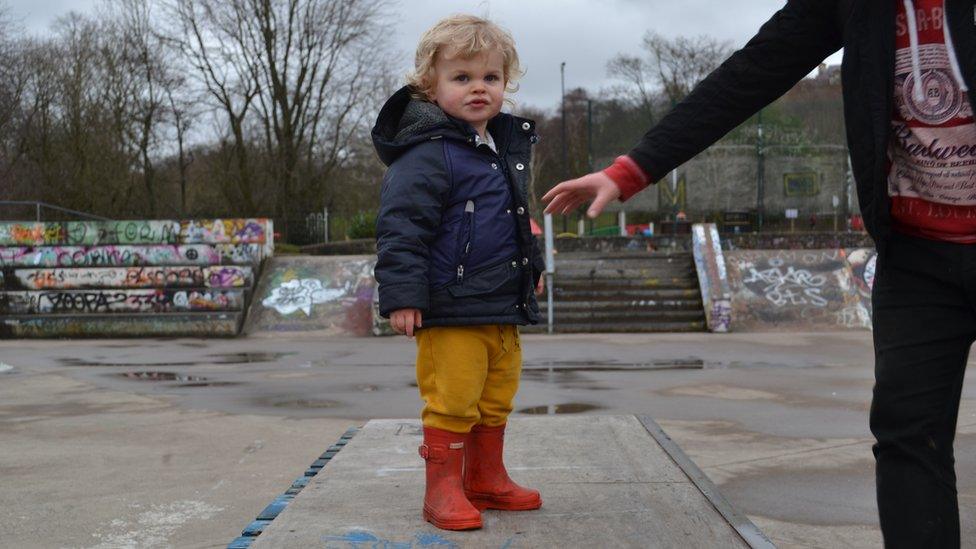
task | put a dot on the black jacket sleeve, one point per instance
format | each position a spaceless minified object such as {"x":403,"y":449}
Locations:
{"x":411,"y":204}
{"x":787,"y":47}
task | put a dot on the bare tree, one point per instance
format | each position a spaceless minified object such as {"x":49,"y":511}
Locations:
{"x":675,"y":66}
{"x":208,"y":37}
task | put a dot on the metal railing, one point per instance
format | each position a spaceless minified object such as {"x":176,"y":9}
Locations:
{"x":39,"y":206}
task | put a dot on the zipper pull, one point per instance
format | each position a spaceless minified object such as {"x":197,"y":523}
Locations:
{"x":460,"y":273}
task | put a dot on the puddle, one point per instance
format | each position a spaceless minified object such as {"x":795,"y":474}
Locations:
{"x":570,"y":408}
{"x":247,"y":358}
{"x":180,"y":379}
{"x":226,"y":358}
{"x":308,"y":403}
{"x":159,"y":376}
{"x":596,"y":366}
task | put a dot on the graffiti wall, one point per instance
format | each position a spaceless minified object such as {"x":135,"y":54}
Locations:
{"x":119,"y":301}
{"x":100,"y":233}
{"x":122,"y":256}
{"x":119,"y":278}
{"x":789,"y":290}
{"x":230,"y":276}
{"x":332,"y":295}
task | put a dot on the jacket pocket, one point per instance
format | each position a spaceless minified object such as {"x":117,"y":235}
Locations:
{"x":489,"y":280}
{"x":465,"y":239}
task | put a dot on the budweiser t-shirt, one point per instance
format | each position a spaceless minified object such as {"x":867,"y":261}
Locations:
{"x":932,"y":152}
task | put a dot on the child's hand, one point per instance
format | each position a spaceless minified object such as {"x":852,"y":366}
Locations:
{"x":404,"y":320}
{"x":541,"y":286}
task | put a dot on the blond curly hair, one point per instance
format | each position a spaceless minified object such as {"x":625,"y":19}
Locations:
{"x":463,"y":36}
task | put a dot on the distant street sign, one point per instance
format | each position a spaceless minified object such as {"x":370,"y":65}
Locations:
{"x":792,"y":213}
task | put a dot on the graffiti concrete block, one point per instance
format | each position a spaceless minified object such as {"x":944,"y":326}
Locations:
{"x":125,"y":256}
{"x":785,"y":290}
{"x":230,"y":276}
{"x":119,"y":301}
{"x":381,"y":326}
{"x":136,"y":325}
{"x":712,"y":276}
{"x":327,"y":294}
{"x":101,"y":233}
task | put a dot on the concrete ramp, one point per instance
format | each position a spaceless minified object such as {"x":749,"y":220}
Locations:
{"x":801,"y":290}
{"x":330,"y":295}
{"x":606,"y":481}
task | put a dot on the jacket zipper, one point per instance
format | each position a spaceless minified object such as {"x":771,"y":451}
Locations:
{"x":469,"y":223}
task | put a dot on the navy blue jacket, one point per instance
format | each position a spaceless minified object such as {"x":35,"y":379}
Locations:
{"x":452,"y":234}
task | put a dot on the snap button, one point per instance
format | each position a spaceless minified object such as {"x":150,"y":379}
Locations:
{"x":508,"y":211}
{"x":520,"y":166}
{"x":525,"y":261}
{"x":494,"y":166}
{"x":520,"y":210}
{"x":514,"y":264}
{"x":526,"y":126}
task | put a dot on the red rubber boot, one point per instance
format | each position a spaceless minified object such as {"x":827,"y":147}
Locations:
{"x":444,"y":503}
{"x":486,"y":482}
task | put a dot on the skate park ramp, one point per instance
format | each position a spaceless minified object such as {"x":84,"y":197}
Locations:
{"x":327,"y":295}
{"x":801,"y":290}
{"x":606,"y":481}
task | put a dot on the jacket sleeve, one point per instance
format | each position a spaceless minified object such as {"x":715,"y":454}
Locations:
{"x":411,"y":203}
{"x":787,"y":47}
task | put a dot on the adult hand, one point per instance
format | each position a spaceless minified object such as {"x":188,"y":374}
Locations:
{"x":541,"y":286}
{"x":569,"y":195}
{"x":404,"y":320}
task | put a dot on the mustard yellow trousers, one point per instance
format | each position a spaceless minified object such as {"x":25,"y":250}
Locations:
{"x":468,"y":375}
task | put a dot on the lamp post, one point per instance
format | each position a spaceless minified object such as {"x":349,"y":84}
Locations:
{"x":760,"y":174}
{"x":562,"y":99}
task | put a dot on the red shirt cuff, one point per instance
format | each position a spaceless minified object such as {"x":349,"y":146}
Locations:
{"x":628,"y":176}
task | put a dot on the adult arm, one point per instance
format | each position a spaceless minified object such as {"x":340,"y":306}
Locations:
{"x":787,"y":47}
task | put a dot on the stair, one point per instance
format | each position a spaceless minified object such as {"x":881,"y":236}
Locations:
{"x":624,"y":292}
{"x":146,"y":278}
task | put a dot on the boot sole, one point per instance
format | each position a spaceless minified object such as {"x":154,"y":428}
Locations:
{"x":482,"y":502}
{"x":471,"y":524}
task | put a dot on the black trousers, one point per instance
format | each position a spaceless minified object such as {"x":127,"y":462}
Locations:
{"x":924,"y":302}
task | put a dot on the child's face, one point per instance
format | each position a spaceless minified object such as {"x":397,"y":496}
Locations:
{"x":470,"y":89}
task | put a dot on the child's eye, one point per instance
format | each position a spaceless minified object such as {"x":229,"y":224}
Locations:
{"x":461,"y":78}
{"x":491,"y":78}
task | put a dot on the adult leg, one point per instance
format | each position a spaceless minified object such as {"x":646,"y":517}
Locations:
{"x":923,"y":328}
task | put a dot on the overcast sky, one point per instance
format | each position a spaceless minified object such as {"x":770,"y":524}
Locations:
{"x":583,"y":33}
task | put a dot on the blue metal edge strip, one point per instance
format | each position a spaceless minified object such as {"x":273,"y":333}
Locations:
{"x":254,"y":529}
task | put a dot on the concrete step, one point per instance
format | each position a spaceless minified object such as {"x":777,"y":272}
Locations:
{"x":159,"y":276}
{"x":120,"y":300}
{"x":615,"y":316}
{"x":564,"y":294}
{"x":119,"y":325}
{"x":619,"y":327}
{"x":624,"y":285}
{"x":634,"y":306}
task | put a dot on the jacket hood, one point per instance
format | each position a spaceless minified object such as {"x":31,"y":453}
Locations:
{"x":404,"y":121}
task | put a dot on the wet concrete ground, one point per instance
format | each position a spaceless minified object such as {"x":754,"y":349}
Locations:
{"x":155,"y":443}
